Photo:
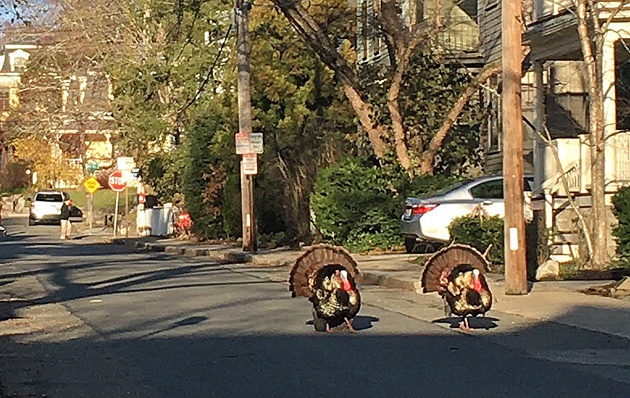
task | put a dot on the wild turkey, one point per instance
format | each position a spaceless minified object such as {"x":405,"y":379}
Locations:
{"x":325,"y":275}
{"x":456,"y":273}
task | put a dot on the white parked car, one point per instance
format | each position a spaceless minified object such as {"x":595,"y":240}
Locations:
{"x":46,"y":206}
{"x":425,"y":221}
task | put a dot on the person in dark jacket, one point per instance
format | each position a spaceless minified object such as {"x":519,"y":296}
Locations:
{"x":65,"y":218}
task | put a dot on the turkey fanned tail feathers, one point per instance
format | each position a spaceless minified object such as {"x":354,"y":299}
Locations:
{"x":451,"y":272}
{"x":317,"y":275}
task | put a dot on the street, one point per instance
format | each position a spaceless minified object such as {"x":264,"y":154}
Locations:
{"x":103,"y":320}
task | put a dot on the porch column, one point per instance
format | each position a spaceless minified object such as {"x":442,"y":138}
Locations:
{"x":539,"y":125}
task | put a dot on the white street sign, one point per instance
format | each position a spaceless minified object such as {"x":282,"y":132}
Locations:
{"x":242,"y":143}
{"x":256,"y":143}
{"x":250,"y":164}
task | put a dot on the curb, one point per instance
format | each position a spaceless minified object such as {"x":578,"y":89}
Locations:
{"x":386,"y":279}
{"x":378,"y":278}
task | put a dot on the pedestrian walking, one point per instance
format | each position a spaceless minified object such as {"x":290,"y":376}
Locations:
{"x":65,"y":218}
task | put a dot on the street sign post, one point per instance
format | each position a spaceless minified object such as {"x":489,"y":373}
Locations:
{"x":117,"y":184}
{"x":242,"y":143}
{"x":250,"y":164}
{"x":256,"y":143}
{"x":91,"y":185}
{"x":116,"y":181}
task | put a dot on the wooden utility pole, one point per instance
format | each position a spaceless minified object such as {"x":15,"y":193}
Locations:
{"x":515,"y":261}
{"x":245,"y":122}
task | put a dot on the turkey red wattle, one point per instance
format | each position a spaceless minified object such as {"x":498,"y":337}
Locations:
{"x":347,"y":286}
{"x":477,"y":284}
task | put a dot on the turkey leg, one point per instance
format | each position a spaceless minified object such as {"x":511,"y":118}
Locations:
{"x":350,"y":328}
{"x":463,"y":325}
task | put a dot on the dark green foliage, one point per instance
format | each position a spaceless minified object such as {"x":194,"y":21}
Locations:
{"x":206,"y":178}
{"x":163,"y":173}
{"x":621,"y":210}
{"x":355,"y":206}
{"x":481,"y":232}
{"x":358,"y":204}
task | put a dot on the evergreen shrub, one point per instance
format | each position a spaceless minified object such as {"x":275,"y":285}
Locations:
{"x":358,"y":204}
{"x":621,"y":232}
{"x":480,"y":232}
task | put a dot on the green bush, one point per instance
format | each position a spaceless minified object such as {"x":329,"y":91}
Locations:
{"x":207,"y":176}
{"x":480,"y":232}
{"x":355,"y":205}
{"x":358,"y":203}
{"x":621,"y":210}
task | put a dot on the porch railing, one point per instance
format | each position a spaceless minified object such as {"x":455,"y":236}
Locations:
{"x":575,"y":164}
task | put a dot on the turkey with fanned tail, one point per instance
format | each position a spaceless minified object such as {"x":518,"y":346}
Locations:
{"x":326,"y":276}
{"x":456,"y":273}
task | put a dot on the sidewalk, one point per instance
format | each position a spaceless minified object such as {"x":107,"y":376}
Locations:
{"x":558,"y":301}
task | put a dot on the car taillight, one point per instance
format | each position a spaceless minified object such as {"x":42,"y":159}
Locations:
{"x":422,"y":209}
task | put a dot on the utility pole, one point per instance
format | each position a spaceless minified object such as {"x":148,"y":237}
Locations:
{"x":245,"y":122}
{"x":515,"y":261}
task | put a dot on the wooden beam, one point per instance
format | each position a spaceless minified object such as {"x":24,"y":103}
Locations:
{"x":512,"y":55}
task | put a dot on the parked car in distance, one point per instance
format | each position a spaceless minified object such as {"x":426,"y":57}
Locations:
{"x":425,"y":221}
{"x":46,"y":206}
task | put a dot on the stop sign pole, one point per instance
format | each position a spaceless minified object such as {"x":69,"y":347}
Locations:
{"x":117,"y":184}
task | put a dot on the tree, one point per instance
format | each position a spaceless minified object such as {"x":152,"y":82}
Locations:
{"x":402,"y":39}
{"x":593,"y":25}
{"x":62,"y":100}
{"x":303,"y":131}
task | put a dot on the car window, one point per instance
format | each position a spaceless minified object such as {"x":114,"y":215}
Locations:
{"x":488,"y":190}
{"x":48,"y":197}
{"x":450,"y":188}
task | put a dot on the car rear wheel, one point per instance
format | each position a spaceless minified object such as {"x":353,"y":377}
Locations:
{"x":410,"y":244}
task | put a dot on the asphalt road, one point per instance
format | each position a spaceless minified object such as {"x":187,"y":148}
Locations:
{"x":102,"y":320}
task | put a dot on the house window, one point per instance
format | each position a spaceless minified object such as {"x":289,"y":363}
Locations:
{"x":19,"y":64}
{"x":376,"y":40}
{"x":365,"y":32}
{"x":493,"y":120}
{"x":419,"y":11}
{"x":5,"y":101}
{"x":622,"y":83}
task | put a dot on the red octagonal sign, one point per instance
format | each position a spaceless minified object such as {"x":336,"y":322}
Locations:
{"x":116,"y":182}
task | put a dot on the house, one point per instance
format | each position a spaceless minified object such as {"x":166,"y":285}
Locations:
{"x":459,"y":40}
{"x":83,"y":126}
{"x":13,"y":60}
{"x":555,"y":97}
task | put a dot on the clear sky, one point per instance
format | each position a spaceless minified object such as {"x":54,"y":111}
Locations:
{"x":21,"y":11}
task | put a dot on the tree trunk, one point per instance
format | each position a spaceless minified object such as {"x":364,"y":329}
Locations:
{"x":596,"y":139}
{"x":400,"y":139}
{"x":428,"y":156}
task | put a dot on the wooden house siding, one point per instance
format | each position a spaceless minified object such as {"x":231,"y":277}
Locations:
{"x":489,"y":12}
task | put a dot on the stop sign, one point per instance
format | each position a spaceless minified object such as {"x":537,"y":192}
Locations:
{"x":116,"y":182}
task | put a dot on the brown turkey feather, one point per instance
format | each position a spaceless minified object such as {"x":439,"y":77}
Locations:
{"x":314,"y":259}
{"x":448,"y":258}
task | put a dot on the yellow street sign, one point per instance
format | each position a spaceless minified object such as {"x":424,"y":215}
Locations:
{"x":91,"y":185}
